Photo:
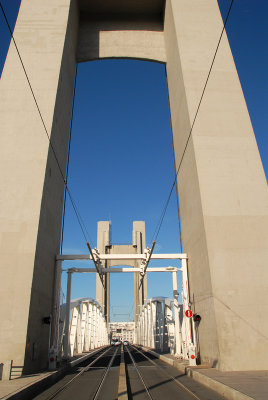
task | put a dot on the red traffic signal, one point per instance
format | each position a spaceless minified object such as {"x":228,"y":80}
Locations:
{"x":197,"y":318}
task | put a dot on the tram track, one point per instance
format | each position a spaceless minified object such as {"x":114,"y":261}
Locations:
{"x":146,"y":377}
{"x":139,"y":374}
{"x":98,"y":391}
{"x":183,"y":387}
{"x":158,"y":381}
{"x":88,"y":381}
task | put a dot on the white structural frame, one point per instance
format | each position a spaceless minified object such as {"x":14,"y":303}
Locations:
{"x":156,"y":325}
{"x":142,"y":256}
{"x":184,"y":333}
{"x":82,"y":326}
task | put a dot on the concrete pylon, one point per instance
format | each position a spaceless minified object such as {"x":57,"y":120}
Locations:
{"x":137,"y":247}
{"x":103,"y":291}
{"x":222,"y":187}
{"x":139,"y":240}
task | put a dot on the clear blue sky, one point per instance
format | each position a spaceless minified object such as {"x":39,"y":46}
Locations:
{"x":121,"y":130}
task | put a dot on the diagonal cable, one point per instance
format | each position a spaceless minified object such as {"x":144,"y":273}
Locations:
{"x":160,"y":222}
{"x":68,"y":161}
{"x":78,"y":216}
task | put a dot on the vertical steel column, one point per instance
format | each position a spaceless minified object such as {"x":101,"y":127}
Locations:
{"x":186,"y":305}
{"x":149,"y":324}
{"x":178,"y":341}
{"x":98,"y":327}
{"x":73,"y":330}
{"x":83,"y":324}
{"x":54,"y":339}
{"x":66,"y":340}
{"x":86,"y":340}
{"x":90,"y":324}
{"x":153,"y":325}
{"x":145,"y":325}
{"x":94,"y":326}
{"x":79,"y":331}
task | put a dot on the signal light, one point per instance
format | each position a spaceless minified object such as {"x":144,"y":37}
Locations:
{"x":192,"y":357}
{"x":51,"y":359}
{"x":197,"y":318}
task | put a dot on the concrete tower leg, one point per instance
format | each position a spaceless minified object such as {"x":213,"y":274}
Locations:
{"x":103,"y":293}
{"x":138,"y":240}
{"x":222,"y":189}
{"x":32,"y":186}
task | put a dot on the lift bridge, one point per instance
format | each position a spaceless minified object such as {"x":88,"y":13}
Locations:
{"x":162,"y":324}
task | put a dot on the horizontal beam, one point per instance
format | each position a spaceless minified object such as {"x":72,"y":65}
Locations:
{"x":175,"y":256}
{"x":112,"y":270}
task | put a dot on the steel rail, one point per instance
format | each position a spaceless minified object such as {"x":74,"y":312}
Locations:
{"x":168,"y":375}
{"x":138,"y":372}
{"x":105,"y":374}
{"x":77,"y":375}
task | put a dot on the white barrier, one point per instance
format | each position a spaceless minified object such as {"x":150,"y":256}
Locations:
{"x":87,"y":328}
{"x":159,"y":327}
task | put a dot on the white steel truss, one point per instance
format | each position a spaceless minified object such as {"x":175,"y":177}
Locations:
{"x":153,"y":322}
{"x":85,"y":329}
{"x":163,"y":326}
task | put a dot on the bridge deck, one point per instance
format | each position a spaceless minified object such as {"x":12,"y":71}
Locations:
{"x":157,"y":376}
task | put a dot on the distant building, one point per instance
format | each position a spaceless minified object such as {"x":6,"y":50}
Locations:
{"x":122,"y":330}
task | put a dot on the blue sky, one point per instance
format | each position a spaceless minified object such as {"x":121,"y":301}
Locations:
{"x":121,"y":165}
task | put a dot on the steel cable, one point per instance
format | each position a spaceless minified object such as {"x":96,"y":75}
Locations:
{"x":78,"y":216}
{"x":161,"y":219}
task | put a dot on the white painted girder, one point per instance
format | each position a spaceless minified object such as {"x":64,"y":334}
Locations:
{"x":128,"y":269}
{"x":87,"y":328}
{"x":162,"y":325}
{"x":175,"y":256}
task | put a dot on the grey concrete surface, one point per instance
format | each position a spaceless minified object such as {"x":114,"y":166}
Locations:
{"x":31,"y":185}
{"x":231,"y":385}
{"x":222,"y":186}
{"x":103,"y":291}
{"x":9,"y":389}
{"x":137,"y":247}
{"x":222,"y":190}
{"x":234,"y":385}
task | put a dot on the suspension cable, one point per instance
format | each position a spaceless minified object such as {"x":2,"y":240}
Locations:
{"x":162,"y":216}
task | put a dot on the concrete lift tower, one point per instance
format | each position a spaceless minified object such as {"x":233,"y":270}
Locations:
{"x":137,"y":247}
{"x":222,"y":186}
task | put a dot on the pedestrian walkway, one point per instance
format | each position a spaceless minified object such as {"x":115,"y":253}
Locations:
{"x":10,"y":388}
{"x":234,"y":385}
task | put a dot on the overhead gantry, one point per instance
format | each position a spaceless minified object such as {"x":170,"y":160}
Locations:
{"x":181,"y":342}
